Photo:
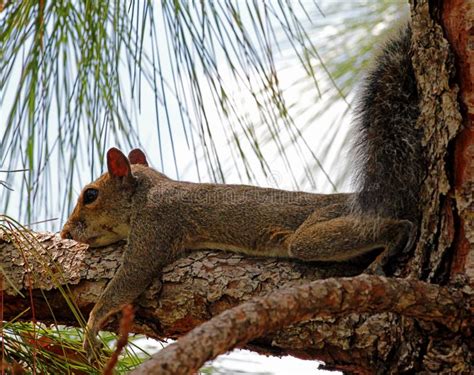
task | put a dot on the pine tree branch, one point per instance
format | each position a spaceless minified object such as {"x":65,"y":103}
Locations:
{"x":204,"y":284}
{"x":322,"y":298}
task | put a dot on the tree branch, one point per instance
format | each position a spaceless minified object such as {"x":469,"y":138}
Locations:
{"x":202,"y":285}
{"x":322,"y":298}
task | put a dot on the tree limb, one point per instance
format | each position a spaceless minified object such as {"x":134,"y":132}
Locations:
{"x":200,"y":286}
{"x":322,"y":298}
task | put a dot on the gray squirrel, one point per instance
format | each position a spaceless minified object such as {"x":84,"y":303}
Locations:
{"x":160,"y":217}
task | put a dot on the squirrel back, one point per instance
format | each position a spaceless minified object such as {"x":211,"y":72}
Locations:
{"x":387,"y":144}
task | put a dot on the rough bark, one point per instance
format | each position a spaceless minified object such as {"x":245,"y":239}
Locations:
{"x":458,"y":20}
{"x":330,"y":297}
{"x":440,"y":121}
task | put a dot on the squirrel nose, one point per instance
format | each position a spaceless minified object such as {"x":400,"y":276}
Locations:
{"x":66,"y":235}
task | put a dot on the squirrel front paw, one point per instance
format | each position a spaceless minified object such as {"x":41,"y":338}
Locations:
{"x":92,"y":346}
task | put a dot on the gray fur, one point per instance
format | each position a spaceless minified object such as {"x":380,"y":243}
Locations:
{"x":389,"y":161}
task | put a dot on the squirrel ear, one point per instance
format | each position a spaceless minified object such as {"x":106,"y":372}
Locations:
{"x":117,"y":163}
{"x":137,"y":156}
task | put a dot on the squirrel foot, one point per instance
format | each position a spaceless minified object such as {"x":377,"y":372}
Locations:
{"x":375,"y":268}
{"x":404,"y":243}
{"x":92,"y":347}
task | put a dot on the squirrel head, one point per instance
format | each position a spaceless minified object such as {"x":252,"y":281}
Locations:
{"x":103,"y":211}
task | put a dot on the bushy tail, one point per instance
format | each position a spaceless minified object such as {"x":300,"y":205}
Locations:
{"x":387,"y":145}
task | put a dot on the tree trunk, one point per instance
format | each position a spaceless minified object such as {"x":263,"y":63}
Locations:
{"x":386,"y":327}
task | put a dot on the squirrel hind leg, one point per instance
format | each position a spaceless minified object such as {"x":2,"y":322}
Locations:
{"x":349,"y":237}
{"x":400,"y":238}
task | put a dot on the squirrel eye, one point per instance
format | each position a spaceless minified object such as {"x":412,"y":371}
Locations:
{"x":90,"y":195}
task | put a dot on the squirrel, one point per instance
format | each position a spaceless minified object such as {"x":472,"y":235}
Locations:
{"x":160,"y":217}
